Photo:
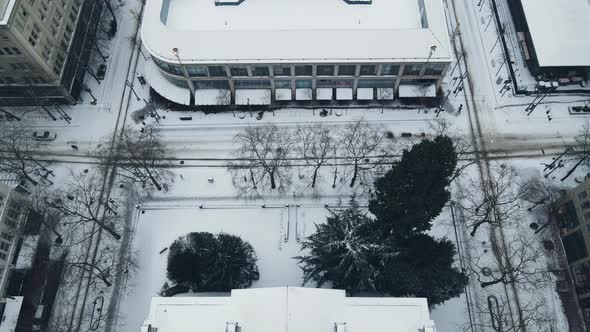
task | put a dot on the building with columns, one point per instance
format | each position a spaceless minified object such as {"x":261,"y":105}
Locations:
{"x":211,"y":52}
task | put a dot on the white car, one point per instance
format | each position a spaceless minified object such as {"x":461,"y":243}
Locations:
{"x":44,"y":136}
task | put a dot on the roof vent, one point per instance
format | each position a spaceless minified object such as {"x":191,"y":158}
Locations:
{"x":339,"y":327}
{"x":228,"y":2}
{"x":359,"y":2}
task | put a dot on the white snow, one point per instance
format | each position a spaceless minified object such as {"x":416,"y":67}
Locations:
{"x":211,"y":97}
{"x":559,"y":30}
{"x":417,"y":90}
{"x":303,"y":94}
{"x":253,"y":97}
{"x":283,"y":94}
{"x":364,"y":94}
{"x":11,"y":312}
{"x":324,"y":93}
{"x":166,"y":88}
{"x":344,"y":94}
{"x":296,"y":30}
{"x":288,"y":309}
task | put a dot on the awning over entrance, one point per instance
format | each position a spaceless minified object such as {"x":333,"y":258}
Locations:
{"x":253,"y":97}
{"x":212,"y":97}
{"x":164,"y":87}
{"x":364,"y":94}
{"x":417,"y":90}
{"x":344,"y":94}
{"x":283,"y":94}
{"x":324,"y":93}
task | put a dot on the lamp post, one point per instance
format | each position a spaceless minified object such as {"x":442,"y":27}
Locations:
{"x":184,"y":72}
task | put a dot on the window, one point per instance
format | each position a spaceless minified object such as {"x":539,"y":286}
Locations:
{"x":281,"y":70}
{"x":434,"y":69}
{"x":390,"y":69}
{"x":252,"y":84}
{"x":238,"y":71}
{"x":260,"y":71}
{"x":582,"y":196}
{"x":334,"y":83}
{"x":303,"y":84}
{"x":8,"y":51}
{"x":585,"y":205}
{"x":346,"y":70}
{"x":368,"y":70}
{"x":325,"y":70}
{"x":4,"y":246}
{"x":7,"y":237}
{"x":196,"y":71}
{"x":412,"y":69}
{"x":305,"y":70}
{"x":282,"y":84}
{"x":388,"y":83}
{"x":217,"y":71}
{"x":217,"y":84}
{"x":587,"y":216}
{"x":3,"y":256}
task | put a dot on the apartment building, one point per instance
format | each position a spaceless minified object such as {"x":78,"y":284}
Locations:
{"x":44,"y":48}
{"x":573,"y":216}
{"x":14,"y":210}
{"x":211,"y":52}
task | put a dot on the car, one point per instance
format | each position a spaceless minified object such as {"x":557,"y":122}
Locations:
{"x":44,"y":136}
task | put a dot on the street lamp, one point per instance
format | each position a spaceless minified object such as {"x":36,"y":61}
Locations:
{"x":184,"y":72}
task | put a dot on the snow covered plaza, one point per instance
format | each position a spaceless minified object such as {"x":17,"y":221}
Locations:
{"x":267,"y":51}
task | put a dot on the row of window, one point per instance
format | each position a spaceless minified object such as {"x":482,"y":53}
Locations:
{"x":22,"y":80}
{"x":10,"y":51}
{"x":288,"y":84}
{"x":303,"y":70}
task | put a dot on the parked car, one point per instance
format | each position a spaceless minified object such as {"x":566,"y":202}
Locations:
{"x":44,"y":136}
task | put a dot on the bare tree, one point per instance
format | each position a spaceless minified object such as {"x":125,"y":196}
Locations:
{"x":223,"y":97}
{"x":139,"y":156}
{"x":517,"y":263}
{"x":362,"y":142}
{"x":495,"y":314}
{"x":495,"y":201}
{"x":317,"y":146}
{"x":20,"y":153}
{"x":83,"y":203}
{"x":580,"y":154}
{"x":262,"y":157}
{"x":463,"y":145}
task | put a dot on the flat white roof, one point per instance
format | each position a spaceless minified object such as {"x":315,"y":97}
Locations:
{"x":560,"y":30}
{"x":269,"y":31}
{"x":290,"y":309}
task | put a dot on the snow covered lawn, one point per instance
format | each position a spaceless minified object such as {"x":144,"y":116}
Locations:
{"x":272,"y":231}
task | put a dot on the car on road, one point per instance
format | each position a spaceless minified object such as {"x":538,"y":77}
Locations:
{"x":44,"y":136}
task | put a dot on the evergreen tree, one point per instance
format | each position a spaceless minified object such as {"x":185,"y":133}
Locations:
{"x":234,"y":264}
{"x":206,"y":262}
{"x":344,"y":251}
{"x":413,"y":192}
{"x":423,"y":268}
{"x":188,"y":259}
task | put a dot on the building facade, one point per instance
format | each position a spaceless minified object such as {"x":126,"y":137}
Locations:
{"x":44,"y":49}
{"x":14,"y":210}
{"x":573,"y":216}
{"x":263,"y":51}
{"x":292,"y":309}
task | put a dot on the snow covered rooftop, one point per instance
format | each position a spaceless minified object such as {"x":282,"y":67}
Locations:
{"x":290,"y":309}
{"x":270,"y":31}
{"x":560,"y":31}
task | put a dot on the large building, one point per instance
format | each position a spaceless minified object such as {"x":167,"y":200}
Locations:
{"x":573,"y":217}
{"x":44,"y":48}
{"x":553,"y":36}
{"x":14,"y":210}
{"x":291,"y":309}
{"x":210,"y":52}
